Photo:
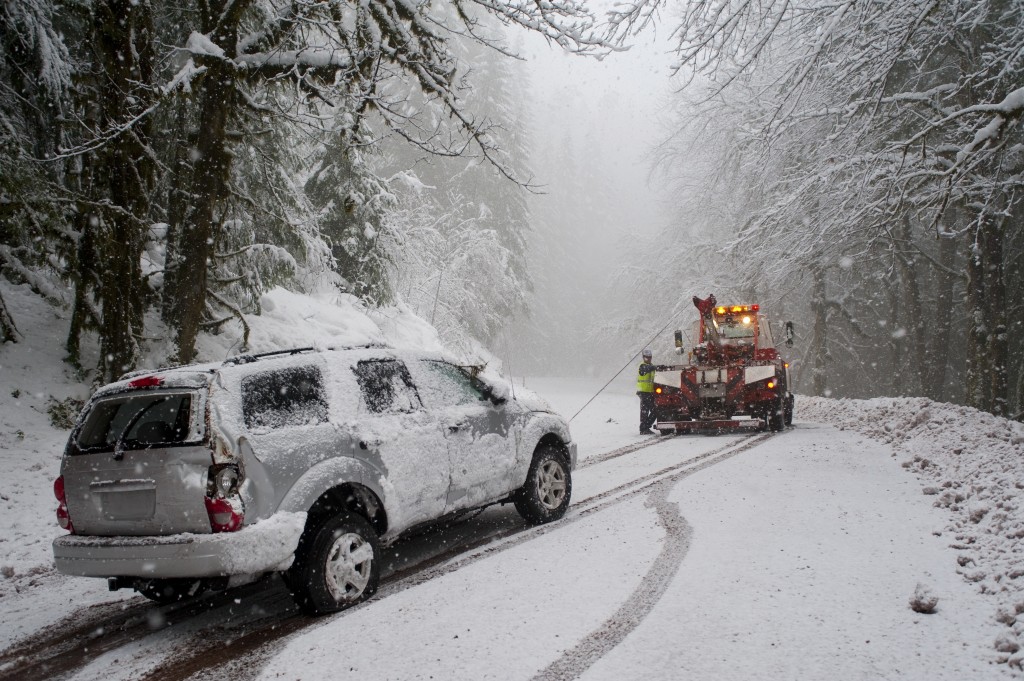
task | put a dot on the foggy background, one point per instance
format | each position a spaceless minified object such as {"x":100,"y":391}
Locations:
{"x":595,"y":128}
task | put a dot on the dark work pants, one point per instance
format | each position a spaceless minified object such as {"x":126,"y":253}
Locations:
{"x":646,"y":411}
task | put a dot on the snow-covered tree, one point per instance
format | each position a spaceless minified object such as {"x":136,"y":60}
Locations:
{"x":900,"y":123}
{"x":35,"y":79}
{"x":330,"y":51}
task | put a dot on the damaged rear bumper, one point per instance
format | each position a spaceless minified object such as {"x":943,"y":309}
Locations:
{"x":266,"y":546}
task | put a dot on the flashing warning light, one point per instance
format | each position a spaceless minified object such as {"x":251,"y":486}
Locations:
{"x":746,"y":320}
{"x":146,"y":382}
{"x":724,"y":309}
{"x":771,"y":384}
{"x":657,"y":390}
{"x":785,"y":365}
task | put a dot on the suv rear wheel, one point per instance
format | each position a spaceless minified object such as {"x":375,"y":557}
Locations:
{"x":338,"y":567}
{"x":545,"y":496}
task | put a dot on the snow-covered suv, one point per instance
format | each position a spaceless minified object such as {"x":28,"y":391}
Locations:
{"x":303,"y":461}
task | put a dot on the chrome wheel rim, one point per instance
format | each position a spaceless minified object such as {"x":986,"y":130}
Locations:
{"x":551,"y":485}
{"x":348,"y":567}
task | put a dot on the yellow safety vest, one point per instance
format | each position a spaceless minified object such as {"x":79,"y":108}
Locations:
{"x":645,"y":382}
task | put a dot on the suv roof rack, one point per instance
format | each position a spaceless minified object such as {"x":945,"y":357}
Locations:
{"x":135,"y":373}
{"x":248,"y":359}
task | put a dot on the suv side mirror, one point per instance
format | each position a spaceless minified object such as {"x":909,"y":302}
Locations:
{"x":487,"y":392}
{"x":495,"y":400}
{"x":789,"y":334}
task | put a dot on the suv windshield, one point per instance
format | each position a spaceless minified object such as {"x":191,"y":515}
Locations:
{"x":150,"y":419}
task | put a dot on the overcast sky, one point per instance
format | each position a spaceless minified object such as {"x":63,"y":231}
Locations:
{"x":614,"y":105}
{"x":601,"y":207}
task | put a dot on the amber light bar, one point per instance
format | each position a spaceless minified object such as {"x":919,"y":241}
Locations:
{"x":723,"y":309}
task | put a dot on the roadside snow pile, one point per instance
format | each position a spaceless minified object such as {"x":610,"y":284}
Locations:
{"x":973,"y":463}
{"x":322,"y":319}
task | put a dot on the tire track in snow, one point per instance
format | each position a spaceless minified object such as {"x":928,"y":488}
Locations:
{"x":243,"y":656}
{"x":219,"y":647}
{"x":628,"y":449}
{"x":598,"y":643}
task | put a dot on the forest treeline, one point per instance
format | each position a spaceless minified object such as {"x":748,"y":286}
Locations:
{"x":163,"y":164}
{"x":858,"y":167}
{"x":852,"y":165}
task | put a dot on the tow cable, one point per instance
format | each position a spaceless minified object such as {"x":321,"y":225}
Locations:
{"x":631,"y":360}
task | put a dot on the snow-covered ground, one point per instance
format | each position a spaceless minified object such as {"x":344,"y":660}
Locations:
{"x":788,"y":556}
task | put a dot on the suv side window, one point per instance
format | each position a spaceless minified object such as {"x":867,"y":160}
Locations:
{"x":293,"y":396}
{"x":386,"y":386}
{"x":445,"y":385}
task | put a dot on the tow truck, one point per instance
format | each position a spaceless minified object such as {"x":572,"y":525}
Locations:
{"x":735,"y":377}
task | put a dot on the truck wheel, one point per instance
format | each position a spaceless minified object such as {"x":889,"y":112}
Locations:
{"x":545,"y":495}
{"x":338,"y":567}
{"x":777,"y":416}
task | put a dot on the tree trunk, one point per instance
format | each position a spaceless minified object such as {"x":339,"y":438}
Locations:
{"x":85,"y":266}
{"x":8,"y":331}
{"x":914,"y":319}
{"x":987,"y":373}
{"x":819,"y":345}
{"x":942,"y":327}
{"x":209,"y":187}
{"x":123,"y":37}
{"x":896,"y":343}
{"x":178,"y":203}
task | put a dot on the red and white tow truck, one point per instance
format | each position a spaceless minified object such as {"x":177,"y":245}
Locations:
{"x":735,"y":378}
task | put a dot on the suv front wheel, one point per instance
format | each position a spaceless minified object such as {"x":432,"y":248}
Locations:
{"x":545,"y":495}
{"x":338,"y":568}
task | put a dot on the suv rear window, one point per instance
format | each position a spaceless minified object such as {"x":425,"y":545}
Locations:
{"x":293,"y":396}
{"x":140,"y":421}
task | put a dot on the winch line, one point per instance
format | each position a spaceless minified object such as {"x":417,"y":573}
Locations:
{"x":631,"y":360}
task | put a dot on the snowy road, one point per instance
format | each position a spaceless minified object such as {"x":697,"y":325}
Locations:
{"x":732,"y":557}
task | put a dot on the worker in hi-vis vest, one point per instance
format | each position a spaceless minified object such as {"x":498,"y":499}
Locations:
{"x":645,"y":389}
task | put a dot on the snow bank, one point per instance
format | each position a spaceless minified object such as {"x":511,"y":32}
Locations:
{"x":322,"y":320}
{"x":973,"y":464}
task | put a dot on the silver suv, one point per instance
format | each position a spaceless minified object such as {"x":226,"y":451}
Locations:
{"x":304,"y":461}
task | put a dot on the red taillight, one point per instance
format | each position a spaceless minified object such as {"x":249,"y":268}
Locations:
{"x":146,"y":382}
{"x":224,"y":517}
{"x":63,"y":517}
